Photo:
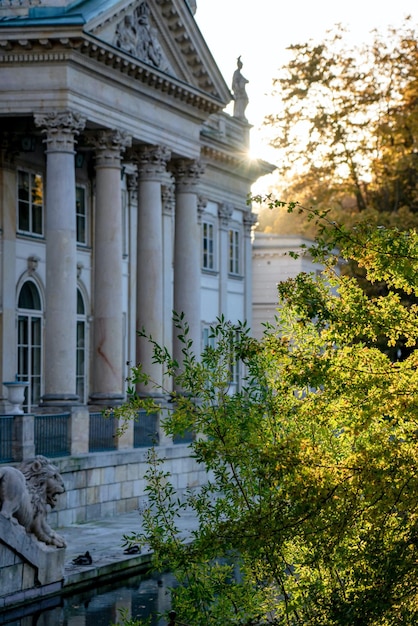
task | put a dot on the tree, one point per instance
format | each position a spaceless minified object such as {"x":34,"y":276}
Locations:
{"x":310,"y":514}
{"x":347,"y":129}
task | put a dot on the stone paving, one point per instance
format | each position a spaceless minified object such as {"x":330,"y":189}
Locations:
{"x":103,"y":539}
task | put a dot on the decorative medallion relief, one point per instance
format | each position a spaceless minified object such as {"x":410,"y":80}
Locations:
{"x":135,"y":34}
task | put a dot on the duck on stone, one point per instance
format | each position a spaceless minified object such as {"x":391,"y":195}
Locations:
{"x":134,"y":549}
{"x":83,"y":559}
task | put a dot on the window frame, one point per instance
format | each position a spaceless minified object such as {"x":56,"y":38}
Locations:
{"x":208,"y":246}
{"x":26,"y":349}
{"x":234,"y":251}
{"x":32,"y":206}
{"x":84,"y":216}
{"x":81,"y":380}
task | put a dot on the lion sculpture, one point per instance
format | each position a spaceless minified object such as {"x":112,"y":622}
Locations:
{"x":25,"y":493}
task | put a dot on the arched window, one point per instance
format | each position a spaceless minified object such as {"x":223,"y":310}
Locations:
{"x":81,"y":348}
{"x":29,"y":342}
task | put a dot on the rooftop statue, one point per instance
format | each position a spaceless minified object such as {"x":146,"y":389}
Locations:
{"x":25,"y":493}
{"x":239,"y":91}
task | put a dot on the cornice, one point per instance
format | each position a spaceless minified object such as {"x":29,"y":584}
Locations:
{"x":238,"y":162}
{"x":35,"y":48}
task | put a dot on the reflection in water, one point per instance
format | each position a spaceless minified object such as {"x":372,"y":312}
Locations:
{"x":138,"y":597}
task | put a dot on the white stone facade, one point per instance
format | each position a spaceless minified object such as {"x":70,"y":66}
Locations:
{"x":123,"y":197}
{"x":115,"y":157}
{"x":272,"y":264}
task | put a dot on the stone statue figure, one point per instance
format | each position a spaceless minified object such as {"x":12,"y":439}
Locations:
{"x":134,"y":34}
{"x":239,"y":91}
{"x":148,"y":47}
{"x":125,"y":35}
{"x":25,"y":493}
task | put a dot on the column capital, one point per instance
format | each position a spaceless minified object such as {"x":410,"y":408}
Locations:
{"x":225,"y":211}
{"x":202,"y":203}
{"x":61,"y":128}
{"x":109,"y":145}
{"x":187,"y":173}
{"x":168,"y":199}
{"x":249,"y":220}
{"x":132,"y":186}
{"x":152,"y":162}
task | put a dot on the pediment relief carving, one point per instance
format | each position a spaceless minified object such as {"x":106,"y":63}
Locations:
{"x":135,"y":34}
{"x":159,"y":34}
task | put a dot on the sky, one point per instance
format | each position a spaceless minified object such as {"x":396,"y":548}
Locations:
{"x":261,"y":31}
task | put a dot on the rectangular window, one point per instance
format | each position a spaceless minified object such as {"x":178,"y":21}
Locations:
{"x":208,"y":261}
{"x":30,"y":203}
{"x":234,"y":252}
{"x":81,"y":214}
{"x":208,"y":339}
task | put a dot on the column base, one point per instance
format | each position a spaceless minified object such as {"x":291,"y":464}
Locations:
{"x":58,"y":399}
{"x":106,"y":399}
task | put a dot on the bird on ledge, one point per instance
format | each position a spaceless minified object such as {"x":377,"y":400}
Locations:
{"x":135,"y":549}
{"x":83,"y":559}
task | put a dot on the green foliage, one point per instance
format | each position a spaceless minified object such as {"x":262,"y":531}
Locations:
{"x":310,"y":513}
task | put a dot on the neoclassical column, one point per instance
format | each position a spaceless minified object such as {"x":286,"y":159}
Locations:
{"x":8,"y":202}
{"x":250,"y":219}
{"x":61,"y":129}
{"x":187,"y":252}
{"x":225,"y":211}
{"x":107,"y":371}
{"x":152,"y":163}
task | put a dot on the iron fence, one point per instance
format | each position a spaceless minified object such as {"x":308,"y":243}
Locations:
{"x":6,"y":438}
{"x":52,"y":437}
{"x":102,"y":432}
{"x":145,"y":429}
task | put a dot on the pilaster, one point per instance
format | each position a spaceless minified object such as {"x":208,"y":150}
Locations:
{"x":168,"y":201}
{"x":225,"y":211}
{"x":250,"y":219}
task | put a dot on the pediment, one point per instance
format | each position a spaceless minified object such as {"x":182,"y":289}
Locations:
{"x":162,"y":34}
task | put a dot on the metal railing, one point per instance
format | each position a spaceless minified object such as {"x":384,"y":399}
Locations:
{"x":52,"y":437}
{"x":6,"y":438}
{"x":145,"y":429}
{"x":102,"y":432}
{"x":52,"y":434}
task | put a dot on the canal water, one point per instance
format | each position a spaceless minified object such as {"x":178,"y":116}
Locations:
{"x":138,"y":597}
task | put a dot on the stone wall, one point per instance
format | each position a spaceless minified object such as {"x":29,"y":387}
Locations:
{"x":29,"y":569}
{"x":106,"y":484}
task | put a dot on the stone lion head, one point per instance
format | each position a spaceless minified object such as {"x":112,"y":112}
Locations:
{"x":44,"y":478}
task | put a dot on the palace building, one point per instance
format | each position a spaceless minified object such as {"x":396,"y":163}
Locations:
{"x":123,"y":198}
{"x":123,"y":193}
